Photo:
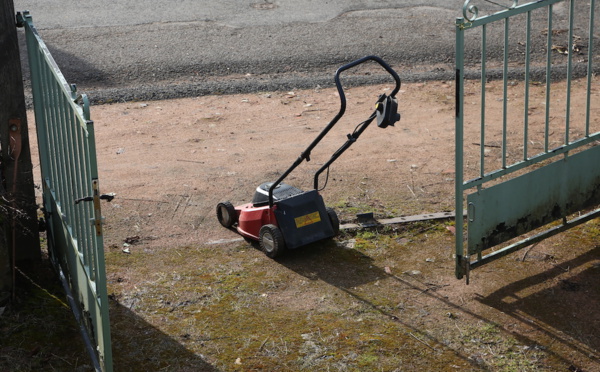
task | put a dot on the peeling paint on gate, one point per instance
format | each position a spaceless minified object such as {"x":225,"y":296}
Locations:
{"x":530,"y":201}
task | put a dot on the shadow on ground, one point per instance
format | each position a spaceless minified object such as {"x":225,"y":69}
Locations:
{"x":327,"y":261}
{"x":139,"y":346}
{"x":557,"y":310}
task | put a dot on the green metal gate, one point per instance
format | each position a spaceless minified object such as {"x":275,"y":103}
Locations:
{"x":528,"y":189}
{"x":71,"y":194}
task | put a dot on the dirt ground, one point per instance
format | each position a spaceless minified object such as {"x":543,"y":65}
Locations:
{"x":187,"y":294}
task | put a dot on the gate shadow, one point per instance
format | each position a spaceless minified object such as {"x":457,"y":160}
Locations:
{"x":139,"y":346}
{"x":326,"y":260}
{"x":565,"y":310}
{"x":558,"y":306}
{"x":73,"y":68}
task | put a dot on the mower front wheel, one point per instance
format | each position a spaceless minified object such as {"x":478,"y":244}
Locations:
{"x":271,"y":241}
{"x":226,"y":214}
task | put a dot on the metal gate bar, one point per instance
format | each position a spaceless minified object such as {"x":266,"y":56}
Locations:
{"x":589,"y":75}
{"x":469,"y":22}
{"x":70,"y":181}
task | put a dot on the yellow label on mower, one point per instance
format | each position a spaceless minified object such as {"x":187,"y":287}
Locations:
{"x":307,"y":219}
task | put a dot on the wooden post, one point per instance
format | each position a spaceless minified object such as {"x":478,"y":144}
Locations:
{"x":19,"y":240}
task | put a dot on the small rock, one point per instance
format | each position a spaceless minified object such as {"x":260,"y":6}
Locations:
{"x":348,"y":243}
{"x":403,"y":241}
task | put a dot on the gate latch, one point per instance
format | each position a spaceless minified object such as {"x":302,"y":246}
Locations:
{"x":98,"y":219}
{"x":108,"y":197}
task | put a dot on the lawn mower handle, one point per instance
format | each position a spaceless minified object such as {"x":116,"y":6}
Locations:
{"x":306,"y":153}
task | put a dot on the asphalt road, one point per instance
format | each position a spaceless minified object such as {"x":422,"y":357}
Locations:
{"x":149,"y":49}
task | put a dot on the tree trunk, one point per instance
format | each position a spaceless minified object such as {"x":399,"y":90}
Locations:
{"x":18,"y":210}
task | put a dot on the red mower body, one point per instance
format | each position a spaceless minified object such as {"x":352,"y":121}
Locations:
{"x":251,"y":219}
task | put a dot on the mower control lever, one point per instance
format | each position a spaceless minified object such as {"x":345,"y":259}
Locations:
{"x":387,"y":111}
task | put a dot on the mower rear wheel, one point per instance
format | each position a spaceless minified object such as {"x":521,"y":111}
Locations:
{"x":271,"y":241}
{"x":335,"y":221}
{"x":226,"y":214}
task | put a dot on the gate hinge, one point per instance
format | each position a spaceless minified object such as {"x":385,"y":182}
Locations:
{"x":21,"y":18}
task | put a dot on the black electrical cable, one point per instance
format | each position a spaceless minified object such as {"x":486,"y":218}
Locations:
{"x":350,"y":137}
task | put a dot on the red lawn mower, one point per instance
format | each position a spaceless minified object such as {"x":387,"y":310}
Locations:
{"x":283,"y":217}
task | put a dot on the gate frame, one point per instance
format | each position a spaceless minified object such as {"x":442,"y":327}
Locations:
{"x":470,"y":20}
{"x":69,"y":171}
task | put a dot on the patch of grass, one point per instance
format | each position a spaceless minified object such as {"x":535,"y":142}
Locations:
{"x":488,"y":346}
{"x":35,"y":326}
{"x":328,"y":307}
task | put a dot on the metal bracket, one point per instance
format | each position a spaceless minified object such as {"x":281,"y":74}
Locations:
{"x":20,"y":20}
{"x":466,"y":267}
{"x":97,"y":214}
{"x":98,"y":220}
{"x":14,"y":126}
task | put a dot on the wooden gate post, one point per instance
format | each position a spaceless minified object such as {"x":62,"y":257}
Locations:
{"x":18,"y":210}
